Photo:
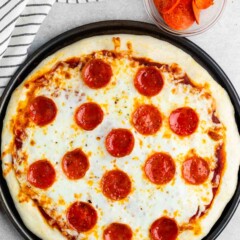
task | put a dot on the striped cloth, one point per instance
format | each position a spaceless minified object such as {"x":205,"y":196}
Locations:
{"x":19,"y":23}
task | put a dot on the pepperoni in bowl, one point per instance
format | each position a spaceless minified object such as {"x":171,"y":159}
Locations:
{"x":165,"y":6}
{"x":184,"y":17}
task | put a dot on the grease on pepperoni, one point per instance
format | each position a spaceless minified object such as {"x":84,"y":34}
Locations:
{"x":41,"y":174}
{"x":181,"y":17}
{"x":195,"y":170}
{"x":81,"y":216}
{"x":116,"y":184}
{"x":119,"y":142}
{"x":75,"y":164}
{"x":88,"y":116}
{"x":97,"y":73}
{"x":148,"y":81}
{"x":147,"y":119}
{"x":164,"y":228}
{"x":183,"y":121}
{"x":165,"y":6}
{"x":42,"y":110}
{"x":117,"y":231}
{"x":160,"y":168}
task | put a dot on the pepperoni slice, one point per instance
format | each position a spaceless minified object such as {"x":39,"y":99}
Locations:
{"x":160,"y":168}
{"x":183,"y":121}
{"x":88,"y":116}
{"x":147,"y":119}
{"x":181,"y":17}
{"x":81,"y":216}
{"x":203,"y":4}
{"x":116,"y":185}
{"x":196,"y":12}
{"x":96,"y":73}
{"x":41,"y":174}
{"x":75,"y":164}
{"x":195,"y":170}
{"x":148,"y":81}
{"x":164,"y":228}
{"x":117,"y":231}
{"x":165,"y":6}
{"x":119,"y":142}
{"x":42,"y":110}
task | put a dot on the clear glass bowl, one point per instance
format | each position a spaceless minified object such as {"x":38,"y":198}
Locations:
{"x":208,"y":18}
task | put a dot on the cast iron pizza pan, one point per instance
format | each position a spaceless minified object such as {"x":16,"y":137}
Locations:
{"x":115,"y":27}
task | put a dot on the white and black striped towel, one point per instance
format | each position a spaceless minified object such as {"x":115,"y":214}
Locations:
{"x":19,"y":23}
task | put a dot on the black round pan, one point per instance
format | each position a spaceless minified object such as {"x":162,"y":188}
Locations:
{"x":115,"y":27}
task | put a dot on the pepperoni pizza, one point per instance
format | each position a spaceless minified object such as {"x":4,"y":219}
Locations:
{"x":118,"y":138}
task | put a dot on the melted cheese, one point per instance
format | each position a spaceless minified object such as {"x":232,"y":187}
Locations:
{"x":147,"y":201}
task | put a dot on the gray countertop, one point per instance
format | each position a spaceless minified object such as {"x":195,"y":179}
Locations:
{"x":222,"y":43}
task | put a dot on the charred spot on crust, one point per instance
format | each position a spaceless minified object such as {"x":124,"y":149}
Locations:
{"x":73,"y":62}
{"x":215,"y":119}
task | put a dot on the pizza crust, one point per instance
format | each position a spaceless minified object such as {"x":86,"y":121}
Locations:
{"x":160,"y":51}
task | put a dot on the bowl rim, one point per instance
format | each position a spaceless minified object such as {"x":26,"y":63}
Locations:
{"x":148,"y":4}
{"x":109,"y":28}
